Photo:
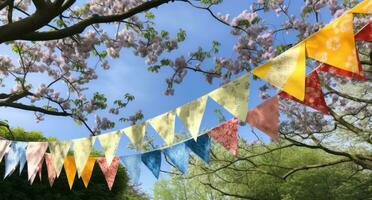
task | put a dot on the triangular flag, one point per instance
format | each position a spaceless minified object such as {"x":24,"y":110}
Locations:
{"x":335,"y":45}
{"x":82,"y":149}
{"x":152,"y":160}
{"x":286,"y":71}
{"x":365,"y":7}
{"x":136,"y":133}
{"x":191,"y":115}
{"x":38,"y":171}
{"x":109,"y":142}
{"x":133,"y":166}
{"x":365,"y":34}
{"x":337,"y":71}
{"x":58,"y":151}
{"x":265,"y":117}
{"x":234,"y":96}
{"x":313,"y":94}
{"x":52,"y":174}
{"x":4,"y":148}
{"x":34,"y":155}
{"x":227,"y":135}
{"x":87,"y":172}
{"x":70,"y":169}
{"x":179,"y":155}
{"x":201,"y":147}
{"x":15,"y":156}
{"x":109,"y":170}
{"x":164,"y":125}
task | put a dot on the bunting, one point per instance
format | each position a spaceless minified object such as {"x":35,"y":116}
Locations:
{"x":227,"y":135}
{"x":201,"y":147}
{"x":109,"y":143}
{"x":179,"y":156}
{"x":88,"y":170}
{"x":35,"y":155}
{"x":313,"y":94}
{"x":70,"y":169}
{"x":365,"y":34}
{"x":152,"y":160}
{"x":109,"y":171}
{"x":15,"y":156}
{"x":365,"y":7}
{"x":38,"y":171}
{"x":265,"y":117}
{"x":4,"y":148}
{"x":58,"y":152}
{"x":286,"y":71}
{"x":132,"y":165}
{"x":82,"y":149}
{"x":234,"y":96}
{"x":52,"y":174}
{"x":136,"y":133}
{"x":164,"y":125}
{"x":191,"y":115}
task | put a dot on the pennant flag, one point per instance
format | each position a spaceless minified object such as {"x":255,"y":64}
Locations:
{"x":34,"y":155}
{"x":365,"y":7}
{"x":286,"y":71}
{"x":365,"y":34}
{"x":201,"y":147}
{"x":38,"y":171}
{"x":82,"y":149}
{"x":109,"y":170}
{"x":4,"y":148}
{"x":234,"y":96}
{"x":313,"y":94}
{"x":52,"y":174}
{"x":133,"y":166}
{"x":265,"y":117}
{"x":335,"y":45}
{"x":87,"y":172}
{"x":152,"y":160}
{"x":136,"y":133}
{"x":109,"y":143}
{"x":179,"y":155}
{"x":227,"y":135}
{"x":70,"y":169}
{"x":15,"y":156}
{"x":192,"y":114}
{"x":58,"y":151}
{"x":164,"y":125}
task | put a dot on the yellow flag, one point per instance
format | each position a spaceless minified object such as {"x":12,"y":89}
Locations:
{"x":82,"y":149}
{"x":164,"y":125}
{"x":191,"y":115}
{"x":58,"y":151}
{"x":70,"y":169}
{"x":364,"y":7}
{"x":234,"y":96}
{"x":286,"y":71}
{"x":87,"y":172}
{"x":109,"y":143}
{"x":334,"y":44}
{"x":136,"y":133}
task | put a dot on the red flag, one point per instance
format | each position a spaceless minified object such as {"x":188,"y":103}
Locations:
{"x":52,"y":174}
{"x":227,"y":135}
{"x":313,"y":94}
{"x":265,"y":117}
{"x":109,"y":171}
{"x":365,"y":34}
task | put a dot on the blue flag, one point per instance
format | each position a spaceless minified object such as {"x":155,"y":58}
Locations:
{"x":153,"y":161}
{"x":179,"y":156}
{"x":133,"y":166}
{"x":16,"y":154}
{"x":201,"y":147}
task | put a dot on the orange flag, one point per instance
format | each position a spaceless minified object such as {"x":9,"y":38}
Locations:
{"x":364,"y":7}
{"x":87,"y":172}
{"x":109,"y":171}
{"x":70,"y":169}
{"x":265,"y":117}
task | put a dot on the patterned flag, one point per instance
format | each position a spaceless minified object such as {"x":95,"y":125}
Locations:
{"x":70,"y":169}
{"x":164,"y":125}
{"x":4,"y":148}
{"x":365,"y":34}
{"x":227,"y":135}
{"x":15,"y":156}
{"x":132,"y":165}
{"x":87,"y":172}
{"x":52,"y":174}
{"x":82,"y":149}
{"x":365,"y":7}
{"x":58,"y":151}
{"x":152,"y":160}
{"x":109,"y":142}
{"x":179,"y":155}
{"x":201,"y":147}
{"x":109,"y":171}
{"x":136,"y":133}
{"x":35,"y":155}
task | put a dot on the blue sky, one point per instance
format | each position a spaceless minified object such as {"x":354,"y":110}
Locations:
{"x":129,"y":74}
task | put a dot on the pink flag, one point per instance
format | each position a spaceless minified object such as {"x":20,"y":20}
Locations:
{"x":34,"y":155}
{"x":52,"y":174}
{"x":313,"y":94}
{"x":365,"y":34}
{"x":38,"y":171}
{"x":4,"y":147}
{"x":109,"y":171}
{"x":265,"y":117}
{"x":227,"y":135}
